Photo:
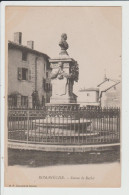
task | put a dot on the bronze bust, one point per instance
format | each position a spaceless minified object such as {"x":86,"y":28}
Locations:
{"x":63,"y":44}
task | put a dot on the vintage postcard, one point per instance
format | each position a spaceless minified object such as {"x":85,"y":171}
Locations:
{"x":63,"y":96}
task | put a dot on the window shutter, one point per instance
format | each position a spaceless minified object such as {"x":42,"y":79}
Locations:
{"x":19,"y":74}
{"x":44,"y":84}
{"x":50,"y":87}
{"x":29,"y":75}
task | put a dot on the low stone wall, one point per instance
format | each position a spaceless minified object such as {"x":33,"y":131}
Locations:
{"x":63,"y":148}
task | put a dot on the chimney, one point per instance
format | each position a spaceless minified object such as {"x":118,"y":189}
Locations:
{"x":18,"y":37}
{"x":30,"y":44}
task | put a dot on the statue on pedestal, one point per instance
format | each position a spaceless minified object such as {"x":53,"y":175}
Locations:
{"x":64,"y":72}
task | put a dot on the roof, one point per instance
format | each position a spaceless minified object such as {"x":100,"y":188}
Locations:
{"x":111,"y":86}
{"x":108,"y":79}
{"x":12,"y":44}
{"x":105,"y":90}
{"x":89,"y":89}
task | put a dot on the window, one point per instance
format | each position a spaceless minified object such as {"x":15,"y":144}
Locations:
{"x":24,"y":55}
{"x":44,"y":84}
{"x":44,"y":67}
{"x":46,"y":74}
{"x":43,"y":101}
{"x":47,"y":86}
{"x":24,"y":74}
{"x":47,"y":99}
{"x":50,"y":87}
{"x":12,"y":101}
{"x":24,"y":101}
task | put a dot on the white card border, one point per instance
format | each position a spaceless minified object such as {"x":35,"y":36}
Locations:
{"x":124,"y":190}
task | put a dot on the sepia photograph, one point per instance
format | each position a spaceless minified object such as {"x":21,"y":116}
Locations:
{"x":63,"y":96}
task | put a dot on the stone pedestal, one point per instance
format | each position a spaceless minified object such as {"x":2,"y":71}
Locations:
{"x":62,"y":78}
{"x":62,"y":107}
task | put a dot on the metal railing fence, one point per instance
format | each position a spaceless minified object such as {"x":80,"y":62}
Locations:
{"x":62,"y":126}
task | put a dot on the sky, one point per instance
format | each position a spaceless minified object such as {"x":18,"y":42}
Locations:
{"x":94,"y":37}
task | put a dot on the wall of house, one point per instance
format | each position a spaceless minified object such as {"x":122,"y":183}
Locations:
{"x":112,"y":98}
{"x":15,"y":62}
{"x":88,"y":97}
{"x":26,"y":87}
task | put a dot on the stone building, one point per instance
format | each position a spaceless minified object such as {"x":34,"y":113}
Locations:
{"x":110,"y":93}
{"x":107,"y":94}
{"x":28,"y":74}
{"x":88,"y":97}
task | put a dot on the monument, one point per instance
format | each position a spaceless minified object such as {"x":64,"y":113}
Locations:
{"x":64,"y":72}
{"x":62,"y":115}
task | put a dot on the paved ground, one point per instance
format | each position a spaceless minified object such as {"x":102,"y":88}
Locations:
{"x":43,"y":159}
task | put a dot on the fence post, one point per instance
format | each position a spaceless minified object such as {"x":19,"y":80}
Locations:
{"x":27,"y":126}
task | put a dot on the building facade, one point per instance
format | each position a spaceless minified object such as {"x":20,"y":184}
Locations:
{"x":110,"y":94}
{"x":107,"y":94}
{"x":29,"y":82}
{"x":88,"y":97}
